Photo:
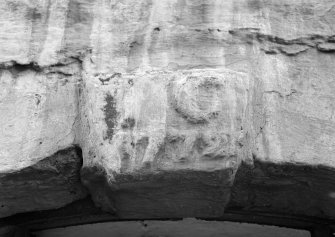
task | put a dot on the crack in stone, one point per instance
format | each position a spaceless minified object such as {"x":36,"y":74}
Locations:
{"x":293,"y":91}
{"x":320,"y":42}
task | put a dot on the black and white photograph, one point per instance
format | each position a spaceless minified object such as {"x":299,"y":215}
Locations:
{"x":167,"y":118}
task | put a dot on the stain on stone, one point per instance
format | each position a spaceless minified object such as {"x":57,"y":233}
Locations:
{"x":214,"y":114}
{"x":92,"y":154}
{"x":108,"y":78}
{"x":111,"y":115}
{"x":134,"y":44}
{"x":254,"y":5}
{"x":203,"y":11}
{"x":38,"y":99}
{"x":39,"y":27}
{"x":157,"y":29}
{"x":128,"y":123}
{"x":79,"y":21}
{"x":143,"y":142}
{"x":33,"y":14}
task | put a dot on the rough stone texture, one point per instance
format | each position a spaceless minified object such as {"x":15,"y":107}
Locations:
{"x":50,"y":183}
{"x":39,"y":113}
{"x":39,"y":109}
{"x":171,"y":100}
{"x":163,"y":121}
{"x":284,"y":189}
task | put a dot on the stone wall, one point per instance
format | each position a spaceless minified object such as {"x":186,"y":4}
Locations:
{"x":169,"y":108}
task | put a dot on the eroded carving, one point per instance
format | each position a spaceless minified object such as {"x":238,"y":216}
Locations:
{"x":186,"y":118}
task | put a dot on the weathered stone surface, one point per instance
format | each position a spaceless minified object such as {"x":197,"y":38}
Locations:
{"x":168,"y":98}
{"x":50,"y":183}
{"x":39,"y":109}
{"x":197,"y":117}
{"x":165,"y":121}
{"x":326,"y":47}
{"x":39,"y":113}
